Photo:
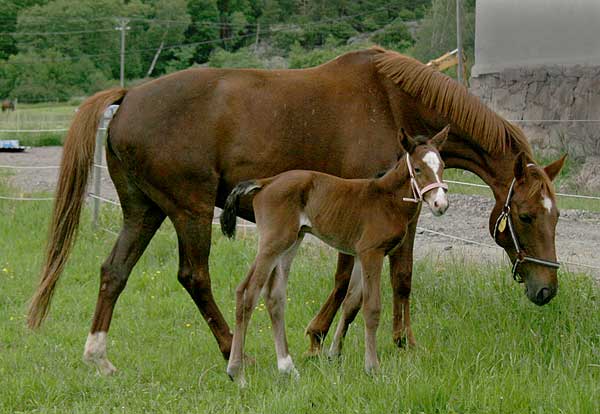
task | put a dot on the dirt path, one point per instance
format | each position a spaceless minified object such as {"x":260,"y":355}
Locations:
{"x":578,"y":232}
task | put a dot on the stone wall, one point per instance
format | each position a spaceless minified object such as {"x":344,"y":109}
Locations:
{"x":550,"y":92}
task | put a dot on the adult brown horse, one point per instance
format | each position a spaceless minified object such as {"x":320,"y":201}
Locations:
{"x":179,"y":144}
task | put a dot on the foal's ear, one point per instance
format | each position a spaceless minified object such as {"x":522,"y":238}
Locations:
{"x":406,"y":141}
{"x":521,"y":162}
{"x":554,"y":168}
{"x":439,"y":138}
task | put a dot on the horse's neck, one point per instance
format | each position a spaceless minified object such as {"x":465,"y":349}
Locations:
{"x":496,"y":170}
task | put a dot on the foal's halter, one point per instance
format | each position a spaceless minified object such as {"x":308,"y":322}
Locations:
{"x":522,"y":257}
{"x":418,"y":192}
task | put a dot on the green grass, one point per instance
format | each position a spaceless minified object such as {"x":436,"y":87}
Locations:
{"x":483,"y":347}
{"x":34,"y":117}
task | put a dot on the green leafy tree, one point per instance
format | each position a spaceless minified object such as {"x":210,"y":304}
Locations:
{"x":204,"y":27}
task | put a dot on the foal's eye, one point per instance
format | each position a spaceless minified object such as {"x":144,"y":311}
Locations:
{"x":525,"y":218}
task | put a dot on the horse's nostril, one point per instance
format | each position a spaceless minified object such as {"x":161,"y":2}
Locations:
{"x":436,"y":204}
{"x":543,"y":295}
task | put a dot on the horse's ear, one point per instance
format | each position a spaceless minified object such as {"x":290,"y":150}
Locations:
{"x":439,"y":138}
{"x":521,"y":162}
{"x":554,"y":168}
{"x":405,"y":141}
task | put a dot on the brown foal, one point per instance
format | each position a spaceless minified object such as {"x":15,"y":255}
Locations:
{"x":365,"y":218}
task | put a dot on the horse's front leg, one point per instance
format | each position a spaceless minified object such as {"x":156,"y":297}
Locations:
{"x":319,"y":326}
{"x":401,"y":262}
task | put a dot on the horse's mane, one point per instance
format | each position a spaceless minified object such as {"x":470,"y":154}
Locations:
{"x":449,"y":98}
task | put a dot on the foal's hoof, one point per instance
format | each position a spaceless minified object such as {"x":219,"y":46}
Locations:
{"x":235,"y":374}
{"x":372,"y":370}
{"x":102,"y":365}
{"x":286,"y":367}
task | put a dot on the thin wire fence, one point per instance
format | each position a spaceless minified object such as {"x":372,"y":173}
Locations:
{"x":97,"y":198}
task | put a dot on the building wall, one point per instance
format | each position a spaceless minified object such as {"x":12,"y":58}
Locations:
{"x":514,"y":33}
{"x":538,"y":61}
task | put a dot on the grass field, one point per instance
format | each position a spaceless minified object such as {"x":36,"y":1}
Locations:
{"x":45,"y":116}
{"x":483,"y":347}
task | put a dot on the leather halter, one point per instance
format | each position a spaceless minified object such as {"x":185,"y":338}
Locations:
{"x":418,"y":192}
{"x":521,"y":255}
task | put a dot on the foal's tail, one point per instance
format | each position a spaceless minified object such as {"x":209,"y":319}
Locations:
{"x":229,"y":213}
{"x":77,"y":158}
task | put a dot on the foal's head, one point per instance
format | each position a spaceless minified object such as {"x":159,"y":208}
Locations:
{"x":428,"y":168}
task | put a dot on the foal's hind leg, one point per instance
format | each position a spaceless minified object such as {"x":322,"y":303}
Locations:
{"x":275,"y":297}
{"x":141,"y":219}
{"x":350,"y":308}
{"x":319,"y":326}
{"x":273,"y":245}
{"x":247,"y":295}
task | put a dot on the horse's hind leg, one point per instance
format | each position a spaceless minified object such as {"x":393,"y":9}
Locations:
{"x":350,"y":308}
{"x":193,"y":233}
{"x":141,"y":219}
{"x":319,"y":326}
{"x":275,"y":298}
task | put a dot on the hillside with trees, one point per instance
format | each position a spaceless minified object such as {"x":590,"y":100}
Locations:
{"x":55,"y":50}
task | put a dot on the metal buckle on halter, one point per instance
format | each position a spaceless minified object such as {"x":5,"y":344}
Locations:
{"x":505,"y":218}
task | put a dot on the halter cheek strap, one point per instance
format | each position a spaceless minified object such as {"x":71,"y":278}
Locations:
{"x":505,"y":219}
{"x":418,"y":192}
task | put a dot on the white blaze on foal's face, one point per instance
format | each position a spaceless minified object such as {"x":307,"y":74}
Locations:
{"x":436,"y":198}
{"x":547,"y":203}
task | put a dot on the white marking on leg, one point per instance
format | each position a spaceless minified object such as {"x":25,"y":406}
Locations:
{"x":433,"y":161}
{"x":547,"y":203}
{"x":95,"y":353}
{"x":285,"y":365}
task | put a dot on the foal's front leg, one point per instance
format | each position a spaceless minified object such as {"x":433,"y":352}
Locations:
{"x":372,"y":262}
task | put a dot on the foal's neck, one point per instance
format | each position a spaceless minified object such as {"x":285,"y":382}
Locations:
{"x":396,"y":179}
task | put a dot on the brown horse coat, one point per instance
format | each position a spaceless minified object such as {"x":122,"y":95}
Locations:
{"x":179,"y":144}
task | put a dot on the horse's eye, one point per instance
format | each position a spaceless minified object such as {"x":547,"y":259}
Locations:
{"x":525,"y":218}
{"x":417,"y":170}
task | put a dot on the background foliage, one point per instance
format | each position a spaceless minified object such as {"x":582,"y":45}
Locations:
{"x":58,"y":49}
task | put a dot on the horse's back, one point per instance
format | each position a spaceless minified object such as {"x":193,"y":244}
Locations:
{"x":211,"y":128}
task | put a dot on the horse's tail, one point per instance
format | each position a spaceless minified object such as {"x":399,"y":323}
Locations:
{"x":229,"y":213}
{"x":76,"y":164}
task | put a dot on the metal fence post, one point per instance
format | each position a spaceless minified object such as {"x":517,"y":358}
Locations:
{"x":98,"y":169}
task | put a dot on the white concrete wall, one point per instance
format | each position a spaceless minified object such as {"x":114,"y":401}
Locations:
{"x":524,"y":33}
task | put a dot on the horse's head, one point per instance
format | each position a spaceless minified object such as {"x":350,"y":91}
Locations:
{"x":427,"y":168}
{"x":524,"y":225}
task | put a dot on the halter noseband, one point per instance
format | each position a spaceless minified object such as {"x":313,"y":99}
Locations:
{"x":500,"y":226}
{"x":418,"y":192}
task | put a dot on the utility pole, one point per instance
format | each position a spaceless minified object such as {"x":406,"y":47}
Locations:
{"x":122,"y":27}
{"x":460,"y":69}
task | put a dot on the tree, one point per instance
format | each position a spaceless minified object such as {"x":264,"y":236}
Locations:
{"x":204,"y":27}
